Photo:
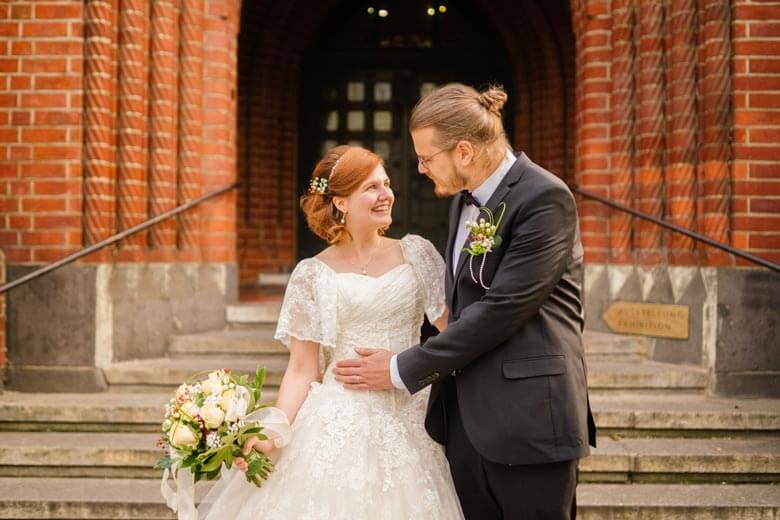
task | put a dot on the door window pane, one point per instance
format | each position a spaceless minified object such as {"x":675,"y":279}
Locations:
{"x":382,"y":149}
{"x":356,"y":121}
{"x":383,"y":120}
{"x":383,"y":91}
{"x":333,"y":121}
{"x":331,"y":93}
{"x":356,"y":91}
{"x":426,"y":88}
{"x":355,"y":142}
{"x":327,"y":145}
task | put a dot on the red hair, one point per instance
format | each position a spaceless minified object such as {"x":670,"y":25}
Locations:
{"x":345,"y":168}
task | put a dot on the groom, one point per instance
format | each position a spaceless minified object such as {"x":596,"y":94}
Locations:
{"x":508,"y":397}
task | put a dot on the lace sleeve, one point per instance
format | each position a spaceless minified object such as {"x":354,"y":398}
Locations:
{"x":430,"y":268}
{"x":300,"y":316}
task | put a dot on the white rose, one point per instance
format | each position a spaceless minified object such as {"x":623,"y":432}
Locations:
{"x":190,"y":408}
{"x":182,"y":390}
{"x":212,"y":415}
{"x":182,"y":437}
{"x":227,"y":396}
{"x":213,"y":385}
{"x":237,"y":406}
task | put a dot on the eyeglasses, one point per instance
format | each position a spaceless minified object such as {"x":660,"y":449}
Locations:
{"x":425,"y":161}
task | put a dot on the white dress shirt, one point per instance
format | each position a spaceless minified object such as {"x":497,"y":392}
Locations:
{"x":482,"y":195}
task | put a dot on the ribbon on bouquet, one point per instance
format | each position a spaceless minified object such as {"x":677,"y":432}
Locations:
{"x":181,"y":500}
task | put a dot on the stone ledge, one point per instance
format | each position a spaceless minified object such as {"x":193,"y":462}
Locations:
{"x":140,"y":499}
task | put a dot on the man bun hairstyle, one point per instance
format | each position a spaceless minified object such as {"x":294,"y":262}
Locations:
{"x":458,"y":112}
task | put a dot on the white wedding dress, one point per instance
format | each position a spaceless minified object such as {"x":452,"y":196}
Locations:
{"x":354,"y":454}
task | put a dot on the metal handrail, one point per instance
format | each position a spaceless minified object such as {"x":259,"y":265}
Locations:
{"x":679,"y":229}
{"x":184,"y":207}
{"x":113,"y":239}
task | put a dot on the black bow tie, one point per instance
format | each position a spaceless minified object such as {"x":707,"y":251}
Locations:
{"x":469,"y":199}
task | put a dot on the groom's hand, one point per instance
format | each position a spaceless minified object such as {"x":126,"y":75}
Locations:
{"x":371,"y":371}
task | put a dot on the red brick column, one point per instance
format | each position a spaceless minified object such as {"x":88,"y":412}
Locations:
{"x":132,"y":121}
{"x":650,"y":132}
{"x":715,"y":123}
{"x":218,"y":216}
{"x":163,"y":99}
{"x":681,"y":128}
{"x":3,"y":356}
{"x":190,"y":125}
{"x":756,"y":179}
{"x":622,"y":129}
{"x":100,"y":119}
{"x":592,"y":22}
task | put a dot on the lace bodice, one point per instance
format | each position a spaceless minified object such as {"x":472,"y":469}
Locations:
{"x":343,"y":310}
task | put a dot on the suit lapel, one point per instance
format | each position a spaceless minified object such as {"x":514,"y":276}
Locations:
{"x":503,"y":189}
{"x":453,"y":231}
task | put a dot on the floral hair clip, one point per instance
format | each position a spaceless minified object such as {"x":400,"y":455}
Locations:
{"x":318,"y":185}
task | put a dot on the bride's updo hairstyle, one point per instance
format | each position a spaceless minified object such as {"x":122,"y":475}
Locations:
{"x":458,"y":112}
{"x":344,"y":169}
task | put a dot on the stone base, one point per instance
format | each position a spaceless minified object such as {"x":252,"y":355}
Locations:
{"x":57,"y":379}
{"x":89,"y":316}
{"x":733,"y":319}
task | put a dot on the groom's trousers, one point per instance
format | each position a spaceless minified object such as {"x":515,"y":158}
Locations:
{"x":488,"y":490}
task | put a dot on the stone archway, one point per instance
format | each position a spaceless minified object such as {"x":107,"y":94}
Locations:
{"x":539,"y":40}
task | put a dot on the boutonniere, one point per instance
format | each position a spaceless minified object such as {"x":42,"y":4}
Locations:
{"x":483,"y":239}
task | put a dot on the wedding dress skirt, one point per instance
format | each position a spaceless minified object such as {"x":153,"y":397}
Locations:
{"x":354,"y":454}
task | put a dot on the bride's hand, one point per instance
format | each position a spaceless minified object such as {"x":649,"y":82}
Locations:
{"x":263,"y":446}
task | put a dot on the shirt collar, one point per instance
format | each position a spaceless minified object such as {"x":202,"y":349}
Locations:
{"x":485,"y":190}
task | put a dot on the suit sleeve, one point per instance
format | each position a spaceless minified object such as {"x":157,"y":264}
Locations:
{"x":538,"y":253}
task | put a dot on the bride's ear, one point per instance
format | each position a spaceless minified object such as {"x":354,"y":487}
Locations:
{"x":340,"y":203}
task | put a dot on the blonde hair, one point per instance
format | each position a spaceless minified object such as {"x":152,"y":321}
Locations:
{"x":458,"y":112}
{"x":344,"y":168}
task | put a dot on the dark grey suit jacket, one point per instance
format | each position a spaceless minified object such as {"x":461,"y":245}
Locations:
{"x":514,"y":350}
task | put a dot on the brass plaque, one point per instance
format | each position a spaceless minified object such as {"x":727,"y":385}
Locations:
{"x":648,"y":319}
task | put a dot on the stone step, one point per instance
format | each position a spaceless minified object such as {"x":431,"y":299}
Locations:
{"x":132,"y":455}
{"x":677,"y":502}
{"x":229,"y":342}
{"x":683,"y":460}
{"x":44,"y":498}
{"x":164,"y":374}
{"x":161,"y":374}
{"x":259,"y":339}
{"x":279,"y":280}
{"x":252,"y":314}
{"x":603,"y":346}
{"x":633,"y":414}
{"x":683,"y":415}
{"x":98,"y":412}
{"x":645,"y":376}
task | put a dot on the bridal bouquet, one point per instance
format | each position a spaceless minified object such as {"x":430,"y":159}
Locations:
{"x":205,"y":426}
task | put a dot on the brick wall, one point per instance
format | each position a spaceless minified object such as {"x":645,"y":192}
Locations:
{"x":677,"y":116}
{"x":41,"y":103}
{"x":92,"y":138}
{"x":756,"y":172}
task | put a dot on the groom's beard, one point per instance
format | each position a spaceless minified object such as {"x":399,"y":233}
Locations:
{"x":456,"y":182}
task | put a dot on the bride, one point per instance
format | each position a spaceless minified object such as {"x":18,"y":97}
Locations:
{"x":353,"y":455}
